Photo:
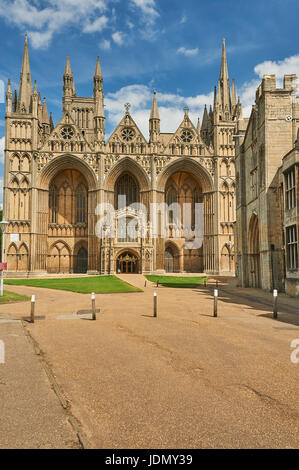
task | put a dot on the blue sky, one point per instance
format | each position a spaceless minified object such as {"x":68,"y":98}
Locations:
{"x":167,"y":45}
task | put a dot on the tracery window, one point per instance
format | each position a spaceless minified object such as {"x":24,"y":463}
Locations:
{"x":292,"y":248}
{"x":170,"y":199}
{"x":81,"y":205}
{"x":126,"y":186}
{"x":53,"y":204}
{"x":290,"y":189}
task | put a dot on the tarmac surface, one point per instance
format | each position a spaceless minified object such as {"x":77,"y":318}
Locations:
{"x":182,"y":380}
{"x":31,"y":416}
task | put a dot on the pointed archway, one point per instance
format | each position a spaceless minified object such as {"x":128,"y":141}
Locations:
{"x":254,"y":253}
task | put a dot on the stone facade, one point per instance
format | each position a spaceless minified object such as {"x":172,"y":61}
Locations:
{"x":56,"y":176}
{"x":267,"y":198}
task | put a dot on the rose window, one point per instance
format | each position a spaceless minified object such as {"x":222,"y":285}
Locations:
{"x":127,"y":134}
{"x":67,"y":133}
{"x":186,"y":136}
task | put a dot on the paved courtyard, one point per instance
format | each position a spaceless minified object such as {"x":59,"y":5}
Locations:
{"x":182,"y":380}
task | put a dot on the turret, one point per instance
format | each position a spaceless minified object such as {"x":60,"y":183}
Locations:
{"x":99,"y":118}
{"x":15,"y":102}
{"x":69,"y":90}
{"x":51,"y":123}
{"x":8,"y":97}
{"x":205,"y":124}
{"x":39,"y":109}
{"x":35,"y":101}
{"x":45,"y":119}
{"x":154,"y":122}
{"x":25,"y":89}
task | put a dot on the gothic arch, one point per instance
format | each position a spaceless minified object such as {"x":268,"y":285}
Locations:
{"x":23,"y":257}
{"x":25,"y":163}
{"x":127,"y":165}
{"x":15,"y":162}
{"x":59,"y":257}
{"x":171,"y":257}
{"x":254,"y":252}
{"x":63,"y":162}
{"x":225,"y":263}
{"x":12,"y":259}
{"x":188,"y":166}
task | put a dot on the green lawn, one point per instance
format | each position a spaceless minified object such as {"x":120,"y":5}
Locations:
{"x":82,"y":285}
{"x":177,"y":281}
{"x":12,"y":297}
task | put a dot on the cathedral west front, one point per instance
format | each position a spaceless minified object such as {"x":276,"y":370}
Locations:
{"x":56,"y":176}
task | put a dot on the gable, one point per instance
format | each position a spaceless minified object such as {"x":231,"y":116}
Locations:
{"x":127,"y":132}
{"x":66,"y":136}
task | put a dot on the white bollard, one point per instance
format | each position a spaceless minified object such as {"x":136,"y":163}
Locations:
{"x":275,"y":298}
{"x":93,"y":306}
{"x":155,"y":304}
{"x":215,"y":302}
{"x":32,"y":308}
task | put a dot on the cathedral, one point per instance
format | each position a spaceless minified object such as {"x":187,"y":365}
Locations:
{"x":56,"y":176}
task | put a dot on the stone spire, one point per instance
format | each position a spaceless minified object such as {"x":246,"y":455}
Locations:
{"x":98,"y":79}
{"x":154,"y":122}
{"x":51,"y":123}
{"x":224,"y":88}
{"x":45,"y":114}
{"x":25,"y":89}
{"x":8,"y":97}
{"x":205,"y":126}
{"x":155,"y":110}
{"x":234,"y":100}
{"x":15,"y":102}
{"x":198,"y":126}
{"x":34,"y":100}
{"x":39,"y":109}
{"x":68,"y":80}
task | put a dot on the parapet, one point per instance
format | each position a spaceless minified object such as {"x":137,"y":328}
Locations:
{"x":290,"y":82}
{"x":269,"y":82}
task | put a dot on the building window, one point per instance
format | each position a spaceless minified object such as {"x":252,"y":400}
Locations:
{"x":171,"y":199}
{"x":53,"y":204}
{"x":81,"y":206}
{"x":126,"y":187}
{"x":290,"y":189}
{"x":292,"y":248}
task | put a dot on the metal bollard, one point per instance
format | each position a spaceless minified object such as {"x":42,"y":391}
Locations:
{"x":155,"y":304}
{"x":32,"y":308}
{"x":215,"y":302}
{"x":205,"y":283}
{"x":275,"y":298}
{"x":144,"y":283}
{"x":217,"y":283}
{"x":93,"y":306}
{"x":157,"y":284}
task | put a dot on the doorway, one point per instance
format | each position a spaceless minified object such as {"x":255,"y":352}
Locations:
{"x":127,"y":263}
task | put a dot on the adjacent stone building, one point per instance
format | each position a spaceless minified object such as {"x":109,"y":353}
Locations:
{"x":267,"y":180}
{"x":56,"y":177}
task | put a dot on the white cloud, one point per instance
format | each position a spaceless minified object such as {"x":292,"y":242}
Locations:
{"x":170,"y":107}
{"x":289,"y":65}
{"x":105,"y":44}
{"x":97,"y":25}
{"x":148,"y":8}
{"x":43,"y":23}
{"x":118,"y":38}
{"x":188,"y":52}
{"x":183,"y":20}
{"x":2,"y":142}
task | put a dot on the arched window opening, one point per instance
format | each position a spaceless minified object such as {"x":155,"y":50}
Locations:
{"x":81,"y":205}
{"x":127,"y":187}
{"x":171,"y":198}
{"x":53,"y":204}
